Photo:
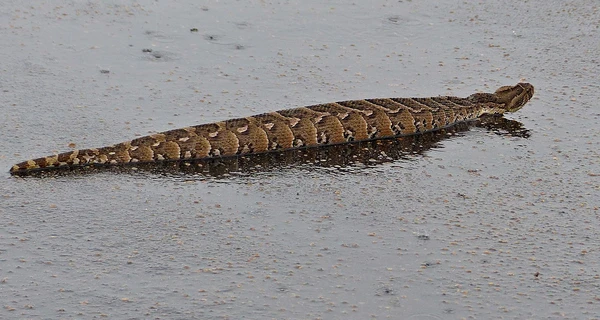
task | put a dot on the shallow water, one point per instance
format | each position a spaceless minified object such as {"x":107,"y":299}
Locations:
{"x":483,"y":226}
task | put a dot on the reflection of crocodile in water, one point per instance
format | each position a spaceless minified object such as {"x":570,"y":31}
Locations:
{"x":351,"y":130}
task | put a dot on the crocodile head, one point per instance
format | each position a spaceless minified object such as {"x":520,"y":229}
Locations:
{"x":514,"y":97}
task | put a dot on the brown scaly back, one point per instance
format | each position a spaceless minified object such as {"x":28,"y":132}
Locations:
{"x":311,"y":126}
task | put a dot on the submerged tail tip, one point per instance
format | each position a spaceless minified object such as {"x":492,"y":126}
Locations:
{"x":25,"y":167}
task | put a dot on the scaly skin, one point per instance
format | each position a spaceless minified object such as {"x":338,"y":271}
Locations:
{"x":311,"y":126}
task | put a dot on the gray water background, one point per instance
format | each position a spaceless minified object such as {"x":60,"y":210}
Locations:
{"x":485,"y":227}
